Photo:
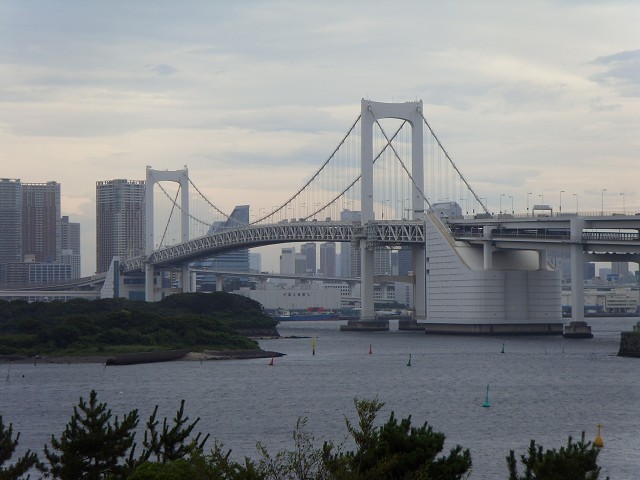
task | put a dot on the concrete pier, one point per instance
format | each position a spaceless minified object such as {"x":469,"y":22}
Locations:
{"x":494,"y":328}
{"x":365,"y":326}
{"x":630,"y":343}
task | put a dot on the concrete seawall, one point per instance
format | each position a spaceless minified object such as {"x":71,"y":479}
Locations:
{"x":494,"y":329}
{"x":630,"y":343}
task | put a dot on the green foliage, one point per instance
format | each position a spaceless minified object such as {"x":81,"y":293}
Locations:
{"x":576,"y":461}
{"x":8,"y":446}
{"x":185,"y":321}
{"x":395,"y":450}
{"x":92,"y":447}
{"x":172,"y":442}
{"x":95,"y":447}
{"x":304,"y":462}
{"x":215,"y":466}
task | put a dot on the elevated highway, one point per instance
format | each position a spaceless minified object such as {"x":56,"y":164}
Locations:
{"x":598,"y":236}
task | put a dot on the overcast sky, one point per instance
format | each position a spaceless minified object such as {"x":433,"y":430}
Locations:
{"x":527,"y":96}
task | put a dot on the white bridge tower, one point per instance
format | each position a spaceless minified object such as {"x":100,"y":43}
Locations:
{"x":154,"y":176}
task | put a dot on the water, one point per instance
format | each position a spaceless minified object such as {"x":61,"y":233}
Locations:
{"x":544,"y":388}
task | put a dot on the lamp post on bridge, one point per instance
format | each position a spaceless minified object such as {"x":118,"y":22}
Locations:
{"x":501,"y":195}
{"x":512,"y":210}
{"x":541,"y":199}
{"x":402,"y":210}
{"x":576,"y":195}
{"x":560,"y":208}
{"x":602,"y":201}
{"x":528,"y":193}
{"x":624,"y":208}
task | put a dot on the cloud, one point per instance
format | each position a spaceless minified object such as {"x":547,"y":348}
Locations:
{"x":622,"y":72}
{"x":164,"y":70}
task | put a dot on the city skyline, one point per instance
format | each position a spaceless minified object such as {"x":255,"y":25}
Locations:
{"x":536,"y":102}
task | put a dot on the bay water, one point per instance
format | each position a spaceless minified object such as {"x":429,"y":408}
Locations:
{"x":542,"y":388}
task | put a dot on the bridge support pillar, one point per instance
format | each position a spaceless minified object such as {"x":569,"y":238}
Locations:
{"x":149,"y":279}
{"x":219,"y":283}
{"x":542,"y":259}
{"x":194,"y":282}
{"x":487,"y":248}
{"x":420,"y":285}
{"x":185,"y":279}
{"x":577,"y":328}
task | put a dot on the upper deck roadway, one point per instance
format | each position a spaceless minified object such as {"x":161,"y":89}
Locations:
{"x":618,"y":234}
{"x":600,"y":234}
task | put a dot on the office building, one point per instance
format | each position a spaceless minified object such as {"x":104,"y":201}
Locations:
{"x":328,"y":259}
{"x":292,"y":262}
{"x":233,"y":261}
{"x":120,"y":220}
{"x":11,"y":221}
{"x":41,"y":231}
{"x":309,"y":251}
{"x":70,"y":248}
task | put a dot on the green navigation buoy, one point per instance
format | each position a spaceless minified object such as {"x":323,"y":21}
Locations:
{"x":409,"y":363}
{"x":486,"y":403}
{"x":502,"y":351}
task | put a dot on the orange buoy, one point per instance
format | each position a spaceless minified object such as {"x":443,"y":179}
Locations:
{"x":598,"y":442}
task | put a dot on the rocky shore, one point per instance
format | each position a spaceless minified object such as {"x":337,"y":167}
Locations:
{"x":143,"y":357}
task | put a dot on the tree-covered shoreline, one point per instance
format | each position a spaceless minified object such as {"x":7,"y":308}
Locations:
{"x":193,"y":321}
{"x":95,"y":445}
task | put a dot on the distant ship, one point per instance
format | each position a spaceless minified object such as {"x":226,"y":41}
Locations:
{"x":310,"y":314}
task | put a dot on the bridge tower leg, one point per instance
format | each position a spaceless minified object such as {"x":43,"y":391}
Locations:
{"x":154,"y":176}
{"x":370,"y":113}
{"x":149,"y":280}
{"x":577,"y":328}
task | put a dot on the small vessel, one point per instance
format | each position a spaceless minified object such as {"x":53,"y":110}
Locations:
{"x":313,"y":313}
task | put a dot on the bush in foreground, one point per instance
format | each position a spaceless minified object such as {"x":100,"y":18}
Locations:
{"x":95,"y":446}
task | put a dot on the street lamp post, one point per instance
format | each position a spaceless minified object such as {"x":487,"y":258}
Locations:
{"x":602,"y":201}
{"x":560,"y":207}
{"x":624,"y":209}
{"x":541,"y":199}
{"x":528,"y":193}
{"x":576,"y":195}
{"x":501,"y":195}
{"x":512,"y":211}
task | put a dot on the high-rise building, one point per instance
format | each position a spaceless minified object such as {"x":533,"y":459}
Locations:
{"x":405,"y":261}
{"x":328,"y":259}
{"x":120,"y":220}
{"x":11,"y":221}
{"x":233,"y":261}
{"x":620,"y":270}
{"x":381,"y":256}
{"x":70,"y":248}
{"x":41,"y":233}
{"x":309,"y":251}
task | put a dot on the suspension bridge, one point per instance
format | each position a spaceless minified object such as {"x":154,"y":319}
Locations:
{"x":371,"y":190}
{"x":389,"y":182}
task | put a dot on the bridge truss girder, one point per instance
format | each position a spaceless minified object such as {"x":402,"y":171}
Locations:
{"x":374,"y":233}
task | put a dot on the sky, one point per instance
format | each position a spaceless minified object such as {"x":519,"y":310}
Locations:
{"x":252,"y":96}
